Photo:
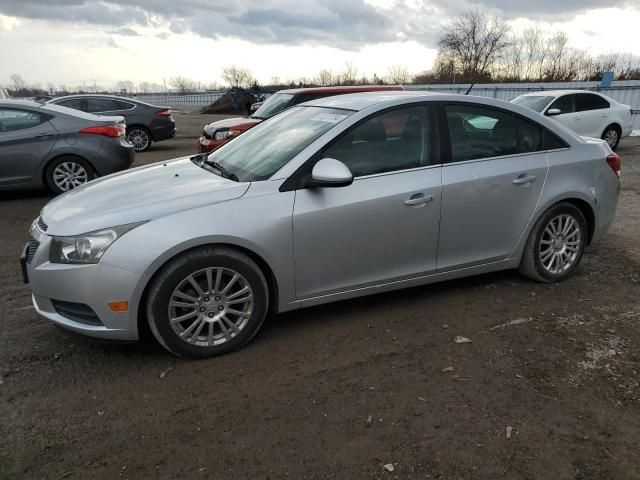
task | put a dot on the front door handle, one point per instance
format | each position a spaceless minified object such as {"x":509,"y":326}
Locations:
{"x":418,"y":199}
{"x":523,"y":179}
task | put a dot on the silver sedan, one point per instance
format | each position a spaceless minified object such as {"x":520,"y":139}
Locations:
{"x":333,"y":199}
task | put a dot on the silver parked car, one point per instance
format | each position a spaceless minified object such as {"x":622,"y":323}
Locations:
{"x":333,"y":199}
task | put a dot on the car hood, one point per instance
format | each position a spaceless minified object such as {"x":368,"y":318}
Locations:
{"x":240,"y":124}
{"x":136,"y":195}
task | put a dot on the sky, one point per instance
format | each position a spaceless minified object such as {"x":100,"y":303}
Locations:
{"x":79,"y":42}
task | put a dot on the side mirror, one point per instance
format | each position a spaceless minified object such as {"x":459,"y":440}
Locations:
{"x":554,"y":111}
{"x":329,"y":172}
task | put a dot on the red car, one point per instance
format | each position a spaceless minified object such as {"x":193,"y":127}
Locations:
{"x":218,"y":133}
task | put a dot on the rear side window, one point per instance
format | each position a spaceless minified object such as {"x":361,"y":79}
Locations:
{"x":75,"y":103}
{"x":12,"y":120}
{"x":565,"y":103}
{"x":551,"y":142}
{"x":479,"y":132}
{"x":529,"y":136}
{"x":122,"y":105}
{"x":97,"y":105}
{"x":589,"y":101}
{"x":387,"y":142}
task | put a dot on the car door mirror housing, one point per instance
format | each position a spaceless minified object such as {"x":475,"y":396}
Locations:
{"x":329,"y":172}
{"x":554,"y":111}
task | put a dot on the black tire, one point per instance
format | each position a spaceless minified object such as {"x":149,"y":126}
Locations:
{"x":531,"y":264}
{"x":176,"y":272}
{"x":140,"y":137}
{"x":54,"y":169}
{"x":612,"y":132}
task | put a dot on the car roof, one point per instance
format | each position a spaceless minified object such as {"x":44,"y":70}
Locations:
{"x":343,"y":89}
{"x":360,"y":101}
{"x":19,"y":103}
{"x":555,"y":93}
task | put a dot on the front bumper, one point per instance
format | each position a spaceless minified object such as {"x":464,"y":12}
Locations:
{"x":93,"y":286}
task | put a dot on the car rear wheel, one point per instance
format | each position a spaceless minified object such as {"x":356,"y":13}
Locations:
{"x":207,"y":302}
{"x":140,"y":138}
{"x":556,"y":244}
{"x":67,"y":173}
{"x":611,"y":135}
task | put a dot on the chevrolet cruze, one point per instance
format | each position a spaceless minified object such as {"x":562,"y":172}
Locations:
{"x":333,"y":199}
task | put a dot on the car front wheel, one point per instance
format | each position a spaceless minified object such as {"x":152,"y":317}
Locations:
{"x":207,"y":302}
{"x":556,"y":244}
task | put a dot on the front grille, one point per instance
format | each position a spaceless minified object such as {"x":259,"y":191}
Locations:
{"x":32,"y":246}
{"x":41,"y":225}
{"x":78,"y":312}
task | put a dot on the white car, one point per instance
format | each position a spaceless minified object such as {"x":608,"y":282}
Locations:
{"x":589,"y":114}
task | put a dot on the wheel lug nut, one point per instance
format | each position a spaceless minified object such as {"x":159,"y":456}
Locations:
{"x":220,"y":308}
{"x":210,"y":315}
{"x":202,"y":309}
{"x":206,"y":299}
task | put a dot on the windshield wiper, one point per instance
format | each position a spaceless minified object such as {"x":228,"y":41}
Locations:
{"x":223,"y":171}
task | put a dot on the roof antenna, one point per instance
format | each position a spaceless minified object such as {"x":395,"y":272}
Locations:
{"x":469,"y":89}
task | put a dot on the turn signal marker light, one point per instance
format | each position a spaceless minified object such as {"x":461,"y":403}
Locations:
{"x":118,"y":307}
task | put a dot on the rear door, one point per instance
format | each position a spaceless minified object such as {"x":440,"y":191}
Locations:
{"x":594,"y":112}
{"x":384,"y":226}
{"x":26,"y":138}
{"x":490,"y":186}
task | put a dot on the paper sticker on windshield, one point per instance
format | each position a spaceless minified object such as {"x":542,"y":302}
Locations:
{"x":329,"y":117}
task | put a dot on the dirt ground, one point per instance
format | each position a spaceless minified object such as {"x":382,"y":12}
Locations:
{"x":549,"y":388}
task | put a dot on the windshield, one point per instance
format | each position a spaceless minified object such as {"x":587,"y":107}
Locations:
{"x":534,"y":102}
{"x":272,"y":105}
{"x":266,"y":148}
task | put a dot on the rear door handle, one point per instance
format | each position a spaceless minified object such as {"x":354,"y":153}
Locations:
{"x":522,"y":179}
{"x":44,"y":135}
{"x":418,"y":199}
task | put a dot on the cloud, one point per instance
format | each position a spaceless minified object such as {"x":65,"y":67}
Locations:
{"x":345,"y":24}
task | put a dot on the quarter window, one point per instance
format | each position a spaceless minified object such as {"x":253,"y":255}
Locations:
{"x":391,"y":141}
{"x":478,"y":132}
{"x":11,"y":120}
{"x":589,"y":101}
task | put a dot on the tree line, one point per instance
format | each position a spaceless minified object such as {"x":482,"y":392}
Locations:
{"x":474,"y":47}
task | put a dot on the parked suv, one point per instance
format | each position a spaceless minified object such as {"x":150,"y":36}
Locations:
{"x":57,"y":146}
{"x":218,"y":133}
{"x":589,"y":114}
{"x":146,"y":123}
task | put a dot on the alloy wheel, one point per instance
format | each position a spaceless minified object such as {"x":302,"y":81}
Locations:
{"x":560,"y":244}
{"x":139,"y":138}
{"x":611,"y":137}
{"x":211,"y":306}
{"x":69,"y":175}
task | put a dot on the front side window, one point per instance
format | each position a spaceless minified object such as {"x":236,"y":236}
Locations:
{"x":12,"y":120}
{"x":589,"y":101}
{"x":391,"y":141}
{"x":566,"y":104}
{"x":263,"y":150}
{"x":480,"y":132}
{"x":274,"y":104}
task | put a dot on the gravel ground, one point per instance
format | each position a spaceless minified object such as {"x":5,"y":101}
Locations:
{"x":548,"y":388}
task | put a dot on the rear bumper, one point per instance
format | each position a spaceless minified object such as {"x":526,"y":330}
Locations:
{"x":163,"y":132}
{"x":116,"y":154}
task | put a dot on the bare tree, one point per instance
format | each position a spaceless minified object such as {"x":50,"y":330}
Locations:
{"x":349,"y":75}
{"x":182,"y":84}
{"x":19,"y":85}
{"x":324,"y":77}
{"x":237,"y":77}
{"x":125,"y":86}
{"x":275,"y":80}
{"x":474,"y":42}
{"x":398,"y":74}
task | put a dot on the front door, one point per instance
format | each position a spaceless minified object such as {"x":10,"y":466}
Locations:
{"x":383,"y":227}
{"x":491,"y":186}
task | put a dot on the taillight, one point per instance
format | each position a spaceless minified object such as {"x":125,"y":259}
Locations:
{"x":116,"y":130}
{"x":164,"y":113}
{"x":613,"y":160}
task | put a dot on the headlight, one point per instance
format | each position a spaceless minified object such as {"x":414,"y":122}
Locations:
{"x":86,"y":248}
{"x":222,"y":134}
